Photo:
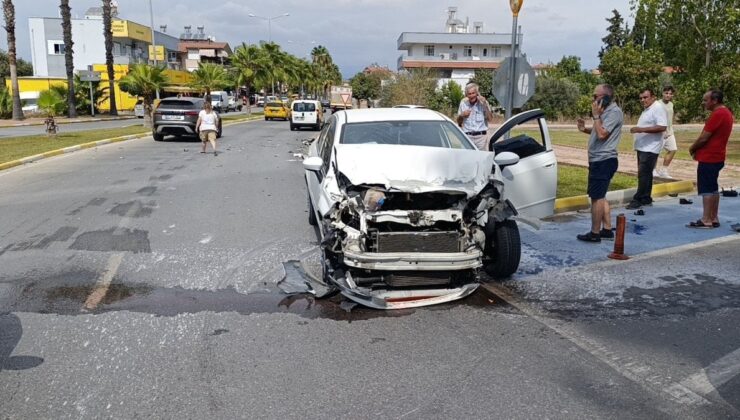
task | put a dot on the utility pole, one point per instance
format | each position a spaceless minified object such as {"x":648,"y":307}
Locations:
{"x":515,"y":5}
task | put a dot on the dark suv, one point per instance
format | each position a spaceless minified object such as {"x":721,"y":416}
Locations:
{"x":177,"y":116}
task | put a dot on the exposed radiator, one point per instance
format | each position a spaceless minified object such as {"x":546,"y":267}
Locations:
{"x":415,"y":241}
{"x":417,"y":279}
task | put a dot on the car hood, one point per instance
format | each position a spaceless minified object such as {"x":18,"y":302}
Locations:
{"x":415,"y":169}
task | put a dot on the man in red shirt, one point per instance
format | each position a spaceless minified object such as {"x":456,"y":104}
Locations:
{"x":710,"y":150}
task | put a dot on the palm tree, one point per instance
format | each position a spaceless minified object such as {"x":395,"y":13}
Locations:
{"x":68,"y":60}
{"x":9,"y":11}
{"x":145,"y":81}
{"x":108,"y":33}
{"x":326,"y":69}
{"x":278,"y":60}
{"x":53,"y":103}
{"x":251,"y":66}
{"x":208,"y":77}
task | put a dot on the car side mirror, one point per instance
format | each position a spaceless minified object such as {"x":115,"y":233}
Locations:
{"x":314,"y":164}
{"x":504,"y":159}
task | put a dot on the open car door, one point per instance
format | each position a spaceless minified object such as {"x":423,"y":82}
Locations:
{"x":531,"y":185}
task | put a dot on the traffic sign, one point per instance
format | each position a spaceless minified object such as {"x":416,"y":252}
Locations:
{"x":346,"y":98}
{"x":89,"y":76}
{"x":525,"y":80}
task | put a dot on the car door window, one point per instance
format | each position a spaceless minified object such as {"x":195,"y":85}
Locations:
{"x":329,"y":145}
{"x":524,"y":140}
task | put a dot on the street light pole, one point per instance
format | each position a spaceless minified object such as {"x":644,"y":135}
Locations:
{"x":515,"y":5}
{"x":269,"y":22}
{"x":154,"y":41}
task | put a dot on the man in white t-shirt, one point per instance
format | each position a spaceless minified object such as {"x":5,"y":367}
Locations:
{"x":669,"y":140}
{"x":648,"y":143}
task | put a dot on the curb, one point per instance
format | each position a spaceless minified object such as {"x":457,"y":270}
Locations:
{"x":69,"y":122}
{"x":70,"y":149}
{"x":621,"y":197}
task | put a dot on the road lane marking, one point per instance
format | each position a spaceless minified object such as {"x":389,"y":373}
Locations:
{"x":101,"y":287}
{"x":630,"y":368}
{"x":715,"y":375}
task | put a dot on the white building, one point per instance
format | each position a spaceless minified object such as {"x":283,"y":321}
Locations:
{"x":131,"y":43}
{"x":457,"y":52}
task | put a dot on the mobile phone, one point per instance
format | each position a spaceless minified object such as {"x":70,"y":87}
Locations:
{"x":605,"y":101}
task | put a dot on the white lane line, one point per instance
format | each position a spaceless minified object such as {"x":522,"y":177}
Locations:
{"x":630,"y":368}
{"x":665,"y":251}
{"x":715,"y":375}
{"x":102,"y":285}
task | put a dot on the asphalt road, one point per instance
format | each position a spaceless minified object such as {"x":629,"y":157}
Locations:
{"x":139,"y":280}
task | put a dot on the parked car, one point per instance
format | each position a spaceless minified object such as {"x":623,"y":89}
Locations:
{"x":306,"y":113}
{"x":177,"y":116}
{"x":139,"y":110}
{"x":408,"y":209}
{"x":220,"y":100}
{"x":409,"y":106}
{"x":235,"y":104}
{"x":275,"y":110}
{"x":260,"y":102}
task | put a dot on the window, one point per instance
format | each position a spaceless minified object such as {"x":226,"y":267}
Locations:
{"x":304,"y":107}
{"x":172,"y":56}
{"x":406,"y":133}
{"x":496,"y":52}
{"x":429,"y":50}
{"x":467,"y":51}
{"x":56,"y":47}
{"x":485,"y":52}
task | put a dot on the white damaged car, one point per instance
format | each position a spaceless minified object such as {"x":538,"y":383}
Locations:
{"x":408,"y":209}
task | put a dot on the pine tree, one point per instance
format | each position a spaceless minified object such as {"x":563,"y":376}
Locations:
{"x":616,"y":33}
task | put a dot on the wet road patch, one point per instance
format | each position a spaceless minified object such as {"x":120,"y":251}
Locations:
{"x":98,"y":201}
{"x":110,"y":240}
{"x":133,"y":209}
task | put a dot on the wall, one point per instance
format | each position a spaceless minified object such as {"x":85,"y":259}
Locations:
{"x":38,"y":46}
{"x":416,"y":52}
{"x":89,"y":42}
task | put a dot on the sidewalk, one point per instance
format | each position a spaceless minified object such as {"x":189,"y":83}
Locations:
{"x":62,"y":120}
{"x":683,"y":170}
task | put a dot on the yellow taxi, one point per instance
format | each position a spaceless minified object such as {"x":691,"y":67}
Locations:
{"x":277,"y":110}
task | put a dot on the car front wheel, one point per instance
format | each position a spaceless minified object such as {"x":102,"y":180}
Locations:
{"x":158,"y":136}
{"x":504,"y":248}
{"x":311,"y":213}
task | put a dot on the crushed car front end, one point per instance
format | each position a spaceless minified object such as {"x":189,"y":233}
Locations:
{"x":408,"y":234}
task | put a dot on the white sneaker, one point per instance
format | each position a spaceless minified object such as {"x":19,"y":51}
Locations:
{"x":664,"y":173}
{"x":656,"y":173}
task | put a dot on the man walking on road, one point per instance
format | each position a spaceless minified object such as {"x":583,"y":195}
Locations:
{"x":710,"y":150}
{"x":473,"y":116}
{"x":669,"y":140}
{"x":648,"y":143}
{"x":602,"y":159}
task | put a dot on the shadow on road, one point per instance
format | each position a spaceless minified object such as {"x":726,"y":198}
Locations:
{"x":10,"y":334}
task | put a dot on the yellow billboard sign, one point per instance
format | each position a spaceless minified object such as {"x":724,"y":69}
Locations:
{"x":131,"y":30}
{"x":159,"y":56}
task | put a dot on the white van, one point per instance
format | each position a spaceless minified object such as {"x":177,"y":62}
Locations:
{"x":220,"y":101}
{"x":305,"y":113}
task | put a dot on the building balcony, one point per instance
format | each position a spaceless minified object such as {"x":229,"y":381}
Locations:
{"x":449,"y":61}
{"x":407,"y":39}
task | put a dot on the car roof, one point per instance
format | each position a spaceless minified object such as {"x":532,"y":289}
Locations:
{"x":391,"y":114}
{"x":305,"y":100}
{"x":182,"y":98}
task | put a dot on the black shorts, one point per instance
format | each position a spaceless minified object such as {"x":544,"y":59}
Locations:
{"x":599,"y":176}
{"x":706,"y":177}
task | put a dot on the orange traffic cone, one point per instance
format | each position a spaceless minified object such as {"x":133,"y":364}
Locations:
{"x":618,"y":253}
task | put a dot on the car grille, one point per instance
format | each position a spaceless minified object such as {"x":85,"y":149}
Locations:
{"x":417,"y":279}
{"x":415,"y":241}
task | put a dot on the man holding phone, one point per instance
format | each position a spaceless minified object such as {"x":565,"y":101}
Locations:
{"x":473,"y":116}
{"x":603,"y":143}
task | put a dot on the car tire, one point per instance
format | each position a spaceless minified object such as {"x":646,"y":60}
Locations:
{"x":317,"y":127}
{"x":504,"y":248}
{"x":158,"y":136}
{"x":267,"y":119}
{"x":311,"y":212}
{"x":292,"y":127}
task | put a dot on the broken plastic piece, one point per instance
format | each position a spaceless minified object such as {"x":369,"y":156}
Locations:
{"x":685,"y":201}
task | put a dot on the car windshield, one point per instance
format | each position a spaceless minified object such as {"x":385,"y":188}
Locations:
{"x":406,"y":133}
{"x":304,"y":107}
{"x":275,"y":104}
{"x":176,"y":104}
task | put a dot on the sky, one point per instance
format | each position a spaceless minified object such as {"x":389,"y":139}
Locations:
{"x":357,"y":33}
